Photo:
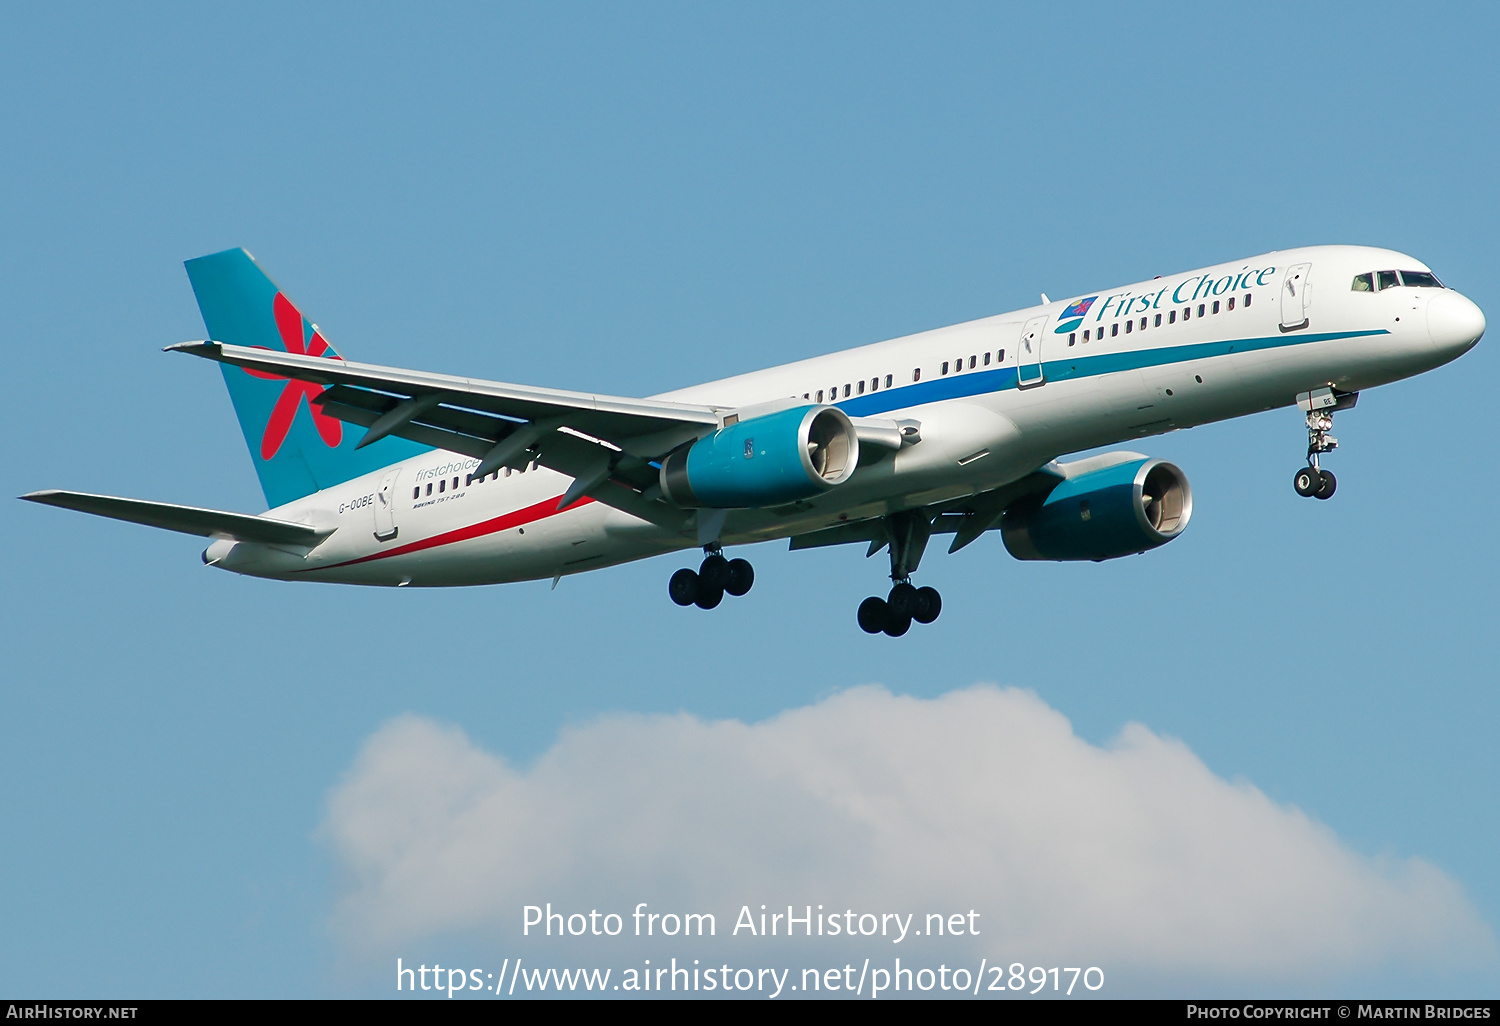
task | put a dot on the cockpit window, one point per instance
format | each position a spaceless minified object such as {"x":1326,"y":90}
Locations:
{"x":1364,"y":282}
{"x":1386,"y":279}
{"x":1420,"y":279}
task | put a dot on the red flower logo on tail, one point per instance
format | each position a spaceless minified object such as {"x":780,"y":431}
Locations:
{"x":289,"y":324}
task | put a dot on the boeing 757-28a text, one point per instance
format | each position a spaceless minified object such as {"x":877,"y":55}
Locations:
{"x":957,"y":431}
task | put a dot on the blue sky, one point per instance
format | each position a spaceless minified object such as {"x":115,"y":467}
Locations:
{"x":632,"y":199}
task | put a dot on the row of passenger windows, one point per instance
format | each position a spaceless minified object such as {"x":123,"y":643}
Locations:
{"x":1187,"y":313}
{"x":858,"y":387}
{"x":851,"y":388}
{"x":1376,"y":281}
{"x":974,"y":364}
{"x":1204,"y":310}
{"x":469,"y":479}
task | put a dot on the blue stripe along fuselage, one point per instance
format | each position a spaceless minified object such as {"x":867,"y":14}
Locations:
{"x":982,"y":382}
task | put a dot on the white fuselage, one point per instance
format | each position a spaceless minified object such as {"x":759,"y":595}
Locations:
{"x":987,"y":416}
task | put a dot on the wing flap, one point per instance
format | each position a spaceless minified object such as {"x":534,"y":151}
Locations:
{"x":418,"y":429}
{"x":208,"y":523}
{"x":966,"y":519}
{"x":843,"y":534}
{"x":601,"y":470}
{"x":435,"y":410}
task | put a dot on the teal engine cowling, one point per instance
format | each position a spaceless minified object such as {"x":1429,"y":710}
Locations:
{"x":770,"y":460}
{"x":1114,"y":511}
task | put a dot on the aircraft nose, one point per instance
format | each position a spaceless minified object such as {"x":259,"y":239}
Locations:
{"x":1454,"y":323}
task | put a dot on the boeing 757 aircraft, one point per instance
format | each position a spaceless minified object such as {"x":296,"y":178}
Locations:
{"x":957,"y":431}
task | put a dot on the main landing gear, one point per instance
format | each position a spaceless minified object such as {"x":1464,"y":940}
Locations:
{"x":1312,"y":481}
{"x":894,"y":614}
{"x":907,"y":534}
{"x":714,"y":579}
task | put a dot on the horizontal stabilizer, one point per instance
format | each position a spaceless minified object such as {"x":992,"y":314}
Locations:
{"x":210,"y":523}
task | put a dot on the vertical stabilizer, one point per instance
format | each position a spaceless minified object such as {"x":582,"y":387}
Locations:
{"x":296,"y":448}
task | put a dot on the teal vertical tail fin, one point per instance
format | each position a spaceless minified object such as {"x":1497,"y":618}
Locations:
{"x":296,"y":448}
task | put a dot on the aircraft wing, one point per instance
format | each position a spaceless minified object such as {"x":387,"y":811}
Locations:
{"x":209,"y":523}
{"x":969,"y":517}
{"x":966,"y":519}
{"x":606,"y":443}
{"x":440,"y":402}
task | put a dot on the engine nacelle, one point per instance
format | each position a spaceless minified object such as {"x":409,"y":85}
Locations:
{"x":1115,"y":511}
{"x":765,"y":461}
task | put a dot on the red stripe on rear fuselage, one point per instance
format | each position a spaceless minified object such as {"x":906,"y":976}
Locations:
{"x":519,"y":518}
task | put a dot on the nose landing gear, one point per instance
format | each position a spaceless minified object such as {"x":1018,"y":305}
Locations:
{"x":893,"y":615}
{"x":1312,"y":481}
{"x":714,"y":579}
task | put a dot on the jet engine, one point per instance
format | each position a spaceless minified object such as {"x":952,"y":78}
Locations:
{"x":764,"y":461}
{"x":1114,"y":511}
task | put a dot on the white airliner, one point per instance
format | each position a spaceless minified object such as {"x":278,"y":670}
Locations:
{"x":459,"y":481}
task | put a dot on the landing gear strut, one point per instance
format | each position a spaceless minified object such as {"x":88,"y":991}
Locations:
{"x":1312,"y":481}
{"x":714,"y":579}
{"x":907,"y":534}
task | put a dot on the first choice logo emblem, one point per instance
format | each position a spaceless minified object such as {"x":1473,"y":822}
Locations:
{"x":1072,"y":317}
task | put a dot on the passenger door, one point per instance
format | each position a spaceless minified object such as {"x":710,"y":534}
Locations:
{"x":385,"y":507}
{"x":1294,"y":297}
{"x":1029,"y":354}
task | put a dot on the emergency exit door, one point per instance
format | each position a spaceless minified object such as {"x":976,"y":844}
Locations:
{"x":1029,"y":354}
{"x":1294,"y":297}
{"x":385,"y":507}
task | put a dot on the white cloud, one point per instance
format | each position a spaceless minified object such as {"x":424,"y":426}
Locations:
{"x":1132,"y":855}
